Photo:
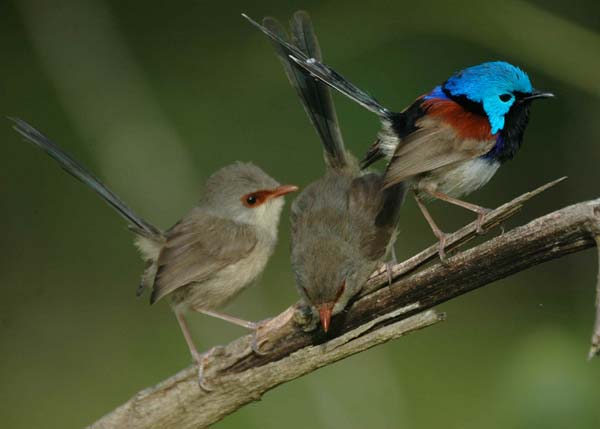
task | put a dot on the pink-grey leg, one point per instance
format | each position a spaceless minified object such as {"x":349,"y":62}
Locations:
{"x":199,"y":358}
{"x":481,"y":211}
{"x":253,"y":326}
{"x":389,"y":264}
{"x":440,"y":235}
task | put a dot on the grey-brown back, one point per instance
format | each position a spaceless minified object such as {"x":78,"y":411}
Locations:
{"x":342,"y":226}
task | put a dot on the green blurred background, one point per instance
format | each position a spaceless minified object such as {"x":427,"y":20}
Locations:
{"x":154,"y":96}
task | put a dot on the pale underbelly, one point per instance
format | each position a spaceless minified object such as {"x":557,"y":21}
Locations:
{"x":458,"y":179}
{"x":220,"y":289}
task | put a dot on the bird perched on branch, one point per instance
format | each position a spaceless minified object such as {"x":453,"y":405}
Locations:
{"x":452,"y":140}
{"x":209,"y":256}
{"x":343,"y":223}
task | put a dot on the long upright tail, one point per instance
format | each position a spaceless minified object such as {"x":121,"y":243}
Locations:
{"x":338,"y":82}
{"x":78,"y":171}
{"x":315,"y":97}
{"x":307,"y":56}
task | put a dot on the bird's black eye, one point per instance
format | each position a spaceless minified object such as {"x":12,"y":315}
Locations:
{"x":254,"y":199}
{"x":505,"y":97}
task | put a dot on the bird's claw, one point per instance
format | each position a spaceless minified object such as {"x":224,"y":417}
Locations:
{"x":442,"y":249}
{"x":305,"y":318}
{"x":390,"y":264}
{"x":256,"y":344}
{"x":388,"y":270}
{"x":201,"y":381}
{"x":387,"y":266}
{"x":479,"y":224}
{"x":201,"y":360}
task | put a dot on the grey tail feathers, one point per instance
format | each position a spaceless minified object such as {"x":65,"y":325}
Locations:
{"x":315,"y":97}
{"x":137,"y":224}
{"x":338,"y":82}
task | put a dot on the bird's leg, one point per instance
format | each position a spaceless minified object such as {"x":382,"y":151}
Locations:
{"x":252,"y":326}
{"x":389,"y":264}
{"x":481,"y":211}
{"x":441,"y":235}
{"x":394,"y":260}
{"x":200,"y":358}
{"x":231,"y":319}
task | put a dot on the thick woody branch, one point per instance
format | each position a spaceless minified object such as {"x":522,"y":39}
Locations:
{"x":240,"y":376}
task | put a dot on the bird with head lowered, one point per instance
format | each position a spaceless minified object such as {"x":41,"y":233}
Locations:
{"x":344,"y":223}
{"x":452,"y":140}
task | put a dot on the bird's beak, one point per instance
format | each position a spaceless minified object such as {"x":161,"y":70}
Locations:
{"x":282,"y":190}
{"x":325,"y":315}
{"x":537,"y":94}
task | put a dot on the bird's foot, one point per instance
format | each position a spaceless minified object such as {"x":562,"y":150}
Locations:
{"x":388,"y":269}
{"x":201,"y":360}
{"x":480,"y":218}
{"x":442,"y":248}
{"x":387,"y":266}
{"x":305,"y":318}
{"x":257,"y":343}
{"x":390,"y":264}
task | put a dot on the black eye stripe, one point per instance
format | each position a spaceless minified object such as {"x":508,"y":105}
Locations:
{"x":520,"y":94}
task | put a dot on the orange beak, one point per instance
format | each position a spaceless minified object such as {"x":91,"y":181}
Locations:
{"x":282,"y":190}
{"x":325,"y":315}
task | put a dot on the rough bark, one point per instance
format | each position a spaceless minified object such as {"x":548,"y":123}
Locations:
{"x":382,"y":313}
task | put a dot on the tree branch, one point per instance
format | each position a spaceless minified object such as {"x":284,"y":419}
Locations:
{"x":240,"y":376}
{"x":457,"y":239}
{"x":595,"y":347}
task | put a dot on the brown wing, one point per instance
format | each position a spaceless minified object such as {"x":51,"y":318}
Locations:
{"x":197,"y":248}
{"x":433,"y":145}
{"x":374,"y":213}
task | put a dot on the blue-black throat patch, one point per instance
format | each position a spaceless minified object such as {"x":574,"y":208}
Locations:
{"x":510,"y":138}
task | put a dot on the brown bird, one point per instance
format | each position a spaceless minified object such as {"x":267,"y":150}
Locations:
{"x":344,"y":223}
{"x":209,"y":256}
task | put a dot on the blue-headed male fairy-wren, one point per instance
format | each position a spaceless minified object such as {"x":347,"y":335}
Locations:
{"x":452,"y":140}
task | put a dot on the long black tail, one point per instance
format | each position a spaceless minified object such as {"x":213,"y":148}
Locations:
{"x":338,"y":82}
{"x":78,"y":171}
{"x":315,"y":97}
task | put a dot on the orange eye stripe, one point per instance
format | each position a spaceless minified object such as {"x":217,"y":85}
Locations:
{"x":259,"y":197}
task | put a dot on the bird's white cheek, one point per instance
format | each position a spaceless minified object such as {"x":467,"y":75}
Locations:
{"x":267,"y":215}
